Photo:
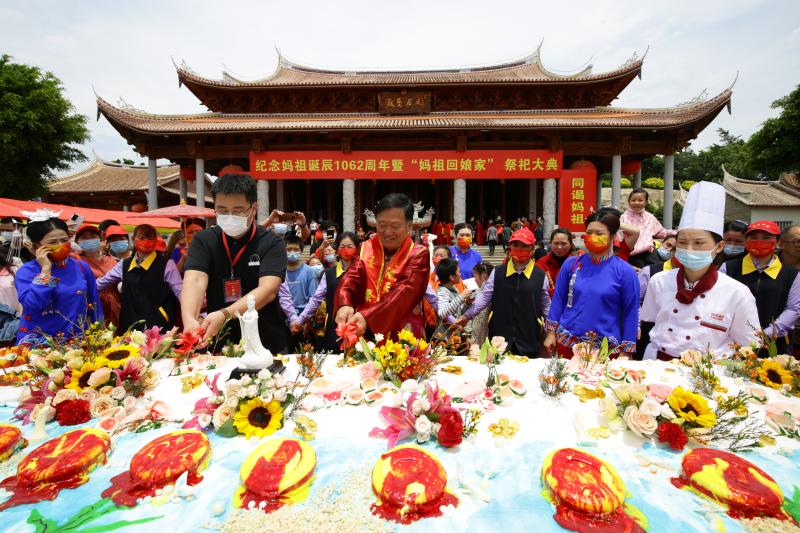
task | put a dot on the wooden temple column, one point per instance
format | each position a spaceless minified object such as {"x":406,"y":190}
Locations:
{"x":348,"y":205}
{"x":183,"y":194}
{"x":533,"y":198}
{"x":669,"y":180}
{"x":637,"y":179}
{"x":549,"y":207}
{"x":459,"y":201}
{"x":200,"y":181}
{"x":152,"y":184}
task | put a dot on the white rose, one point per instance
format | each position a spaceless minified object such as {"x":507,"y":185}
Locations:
{"x":129,"y":403}
{"x":279,"y":395}
{"x":269,"y":383}
{"x":650,"y":407}
{"x":245,"y":380}
{"x":232,"y":388}
{"x":409,"y":385}
{"x":242,"y":393}
{"x":423,"y":437}
{"x":65,"y":394}
{"x":666,"y":412}
{"x":423,"y":425}
{"x":232,"y":402}
{"x":119,"y":393}
{"x":266,"y":396}
{"x":101,"y":405}
{"x":264,"y":374}
{"x":419,"y":406}
{"x":222,"y":414}
{"x":640,"y":423}
{"x":252,"y":391}
{"x":138,"y":338}
{"x":379,"y":337}
{"x":204,"y":420}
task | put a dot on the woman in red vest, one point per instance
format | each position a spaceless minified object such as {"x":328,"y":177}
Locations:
{"x":561,"y":247}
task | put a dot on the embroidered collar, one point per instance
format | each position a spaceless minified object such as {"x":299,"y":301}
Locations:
{"x":145,"y":265}
{"x":749,"y":266}
{"x":527,"y":271}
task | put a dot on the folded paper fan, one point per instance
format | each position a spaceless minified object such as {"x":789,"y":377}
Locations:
{"x":278,"y":472}
{"x":60,"y":463}
{"x":159,"y":463}
{"x":588,"y":493}
{"x":410,"y":484}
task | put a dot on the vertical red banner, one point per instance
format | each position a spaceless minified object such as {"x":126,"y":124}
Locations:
{"x":577,"y":196}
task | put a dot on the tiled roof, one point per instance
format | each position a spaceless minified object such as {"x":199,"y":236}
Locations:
{"x":761,"y":193}
{"x":526,"y":69}
{"x":598,"y":117}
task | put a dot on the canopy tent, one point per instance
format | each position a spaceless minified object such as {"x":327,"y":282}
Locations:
{"x":10,"y":207}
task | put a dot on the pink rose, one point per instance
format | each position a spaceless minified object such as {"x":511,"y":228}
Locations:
{"x":369,"y":371}
{"x":659,"y":391}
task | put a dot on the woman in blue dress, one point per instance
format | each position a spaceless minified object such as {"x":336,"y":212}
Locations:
{"x":595,"y":293}
{"x":57,"y":292}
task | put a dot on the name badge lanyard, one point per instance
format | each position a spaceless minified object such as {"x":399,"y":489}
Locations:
{"x":233,"y":286}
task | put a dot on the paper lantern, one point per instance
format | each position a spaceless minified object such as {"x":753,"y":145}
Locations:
{"x":188,"y":173}
{"x":581,"y":164}
{"x":231,"y":169}
{"x":630,"y":167}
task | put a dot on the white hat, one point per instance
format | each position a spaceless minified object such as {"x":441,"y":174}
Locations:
{"x":705,"y":208}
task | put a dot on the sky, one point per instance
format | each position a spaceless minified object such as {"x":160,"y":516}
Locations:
{"x":126,"y":49}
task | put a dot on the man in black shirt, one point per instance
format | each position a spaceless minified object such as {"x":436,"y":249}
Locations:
{"x":235,"y":258}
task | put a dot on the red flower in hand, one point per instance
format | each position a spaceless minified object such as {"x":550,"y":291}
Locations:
{"x":347,"y":332}
{"x":672,"y":434}
{"x":188,"y":341}
{"x":72,"y":412}
{"x":451,"y":428}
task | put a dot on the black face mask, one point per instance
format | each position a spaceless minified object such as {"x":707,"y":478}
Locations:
{"x":560,"y":260}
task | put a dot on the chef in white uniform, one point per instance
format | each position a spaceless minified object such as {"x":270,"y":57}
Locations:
{"x":694,"y":307}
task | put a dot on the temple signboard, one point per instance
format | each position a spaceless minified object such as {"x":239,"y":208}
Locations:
{"x":404,"y":103}
{"x":407,"y":164}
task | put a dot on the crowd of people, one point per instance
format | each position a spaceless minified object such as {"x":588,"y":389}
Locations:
{"x":652,"y":292}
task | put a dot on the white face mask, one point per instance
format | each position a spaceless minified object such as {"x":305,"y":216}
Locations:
{"x":280,"y":229}
{"x":232,"y":225}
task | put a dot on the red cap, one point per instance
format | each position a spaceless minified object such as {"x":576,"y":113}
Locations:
{"x":764,"y":225}
{"x":85,"y":227}
{"x":161,"y":244}
{"x":115,"y":230}
{"x":524,"y":236}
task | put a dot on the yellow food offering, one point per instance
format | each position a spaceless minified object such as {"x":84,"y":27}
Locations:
{"x":279,"y":471}
{"x":11,"y":440}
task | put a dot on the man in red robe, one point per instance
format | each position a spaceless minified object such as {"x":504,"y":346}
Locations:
{"x":382,"y":292}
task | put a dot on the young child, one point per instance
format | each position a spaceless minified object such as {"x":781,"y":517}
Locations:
{"x":300,"y":278}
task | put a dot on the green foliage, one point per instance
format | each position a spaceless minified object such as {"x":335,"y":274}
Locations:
{"x":653,"y":183}
{"x":775,"y":148}
{"x":38,"y":130}
{"x":792,"y":505}
{"x":626,"y":183}
{"x":687,"y":184}
{"x":79,"y":521}
{"x":124,"y":161}
{"x":658,"y":211}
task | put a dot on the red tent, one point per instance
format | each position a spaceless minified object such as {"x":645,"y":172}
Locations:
{"x":13,"y":208}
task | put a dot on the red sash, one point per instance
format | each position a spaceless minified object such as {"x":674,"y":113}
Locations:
{"x":380,"y":278}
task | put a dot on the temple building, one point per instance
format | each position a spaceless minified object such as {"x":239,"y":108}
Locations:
{"x":512,"y":139}
{"x":120,"y":187}
{"x":751,"y":200}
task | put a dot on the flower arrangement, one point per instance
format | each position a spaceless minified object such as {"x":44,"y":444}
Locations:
{"x":553,"y":377}
{"x":703,"y":377}
{"x":404,"y":359}
{"x":425,"y":413}
{"x":682,"y":416}
{"x":779,"y":372}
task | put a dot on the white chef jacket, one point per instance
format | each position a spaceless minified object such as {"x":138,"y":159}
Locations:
{"x":723,"y":315}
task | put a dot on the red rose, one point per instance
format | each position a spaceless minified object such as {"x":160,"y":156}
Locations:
{"x":72,"y":412}
{"x":672,"y":434}
{"x":451,"y":428}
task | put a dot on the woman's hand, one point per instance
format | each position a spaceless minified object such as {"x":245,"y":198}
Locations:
{"x":550,"y":343}
{"x":43,"y":260}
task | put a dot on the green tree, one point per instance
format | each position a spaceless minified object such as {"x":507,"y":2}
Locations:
{"x":39,"y":129}
{"x":124,"y":161}
{"x":775,"y":148}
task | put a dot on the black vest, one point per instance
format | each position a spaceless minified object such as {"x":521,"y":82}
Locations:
{"x":516,"y":309}
{"x":146,"y":296}
{"x":771,"y":294}
{"x":329,"y":341}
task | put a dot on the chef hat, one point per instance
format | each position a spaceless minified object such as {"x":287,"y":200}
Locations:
{"x":705,"y":208}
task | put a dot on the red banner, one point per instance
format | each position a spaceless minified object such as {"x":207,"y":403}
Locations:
{"x":416,"y":164}
{"x":577,"y":196}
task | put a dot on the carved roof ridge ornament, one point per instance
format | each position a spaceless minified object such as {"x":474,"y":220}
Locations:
{"x":125,"y":106}
{"x":699,"y":99}
{"x":585,"y":70}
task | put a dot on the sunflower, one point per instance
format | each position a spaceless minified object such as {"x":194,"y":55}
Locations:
{"x":406,"y":336}
{"x":117,"y":356}
{"x":692,"y":408}
{"x":772,"y":374}
{"x":259,"y":419}
{"x":79,"y":379}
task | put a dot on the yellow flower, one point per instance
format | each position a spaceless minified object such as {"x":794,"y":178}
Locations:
{"x":692,"y":408}
{"x":258,"y":419}
{"x":772,"y":374}
{"x":79,"y":379}
{"x":117,"y":356}
{"x":406,"y":336}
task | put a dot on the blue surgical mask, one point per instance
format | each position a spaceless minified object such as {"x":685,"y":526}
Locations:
{"x":89,"y":245}
{"x":293,"y":257}
{"x":119,"y":247}
{"x":330,"y":258}
{"x":317,"y":269}
{"x":732,"y":249}
{"x":694,"y":260}
{"x":280,"y":229}
{"x":664,"y":254}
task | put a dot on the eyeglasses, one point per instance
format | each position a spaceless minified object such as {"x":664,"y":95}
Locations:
{"x":235,"y":212}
